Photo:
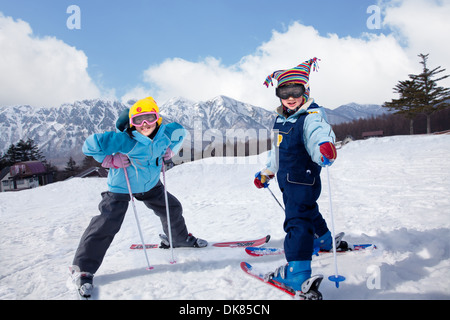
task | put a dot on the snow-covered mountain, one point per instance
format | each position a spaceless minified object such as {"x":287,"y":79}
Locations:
{"x":220,"y":113}
{"x":60,"y":132}
{"x":354,"y":111}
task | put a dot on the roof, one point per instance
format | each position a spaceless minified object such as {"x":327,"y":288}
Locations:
{"x":27,"y":168}
{"x":93,"y":172}
{"x":4,"y":172}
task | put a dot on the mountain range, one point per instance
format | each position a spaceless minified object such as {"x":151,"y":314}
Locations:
{"x":60,"y":132}
{"x":354,"y":111}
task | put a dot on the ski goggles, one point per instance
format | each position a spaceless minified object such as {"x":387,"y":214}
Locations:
{"x":139,"y":119}
{"x":295,"y":91}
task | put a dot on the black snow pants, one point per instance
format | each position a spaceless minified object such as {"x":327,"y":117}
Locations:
{"x":101,"y":231}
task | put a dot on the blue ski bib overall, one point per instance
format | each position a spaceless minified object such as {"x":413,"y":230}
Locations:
{"x":299,"y":180}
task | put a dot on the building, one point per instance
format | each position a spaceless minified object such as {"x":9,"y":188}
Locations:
{"x":372,"y":134}
{"x":24,"y":175}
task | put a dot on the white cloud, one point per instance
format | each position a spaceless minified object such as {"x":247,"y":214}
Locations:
{"x":136,"y":93}
{"x":40,"y":71}
{"x":351,"y":70}
{"x":424,"y":27}
{"x":195,"y":80}
{"x":362,"y":70}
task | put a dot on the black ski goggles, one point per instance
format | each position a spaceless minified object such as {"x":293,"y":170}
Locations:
{"x":293,"y":90}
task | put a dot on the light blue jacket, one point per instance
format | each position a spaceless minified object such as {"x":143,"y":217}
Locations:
{"x":316,"y":130}
{"x":145,"y":155}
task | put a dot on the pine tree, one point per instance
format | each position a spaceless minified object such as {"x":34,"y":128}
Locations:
{"x":420,"y":94}
{"x":71,"y":167}
{"x":22,"y":151}
{"x":11,"y":156}
{"x":89,"y":162}
{"x":28,"y":151}
{"x":433,"y":98}
{"x":408,"y":103}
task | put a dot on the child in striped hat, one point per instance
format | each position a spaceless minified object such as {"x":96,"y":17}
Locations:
{"x":293,"y":82}
{"x":303,"y":144}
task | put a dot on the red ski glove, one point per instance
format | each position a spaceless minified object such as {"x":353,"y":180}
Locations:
{"x":262,"y":178}
{"x":328,"y":151}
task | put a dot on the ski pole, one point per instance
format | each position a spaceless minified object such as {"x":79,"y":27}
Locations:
{"x":336,"y":278}
{"x":137,"y":219}
{"x":281,"y":206}
{"x":167,"y":211}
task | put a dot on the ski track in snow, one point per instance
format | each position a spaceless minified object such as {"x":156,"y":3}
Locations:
{"x":392,"y":191}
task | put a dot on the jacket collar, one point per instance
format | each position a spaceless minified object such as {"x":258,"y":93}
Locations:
{"x":302,"y":109}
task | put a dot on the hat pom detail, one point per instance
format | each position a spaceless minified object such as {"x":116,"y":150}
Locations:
{"x":298,"y":74}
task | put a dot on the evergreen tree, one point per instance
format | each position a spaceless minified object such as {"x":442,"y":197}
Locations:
{"x":28,"y":151}
{"x":70,"y":170}
{"x":433,"y":98}
{"x":421,"y":94}
{"x":89,"y":162}
{"x":71,"y":167}
{"x":408,"y":103}
{"x":20,"y":152}
{"x":11,"y":156}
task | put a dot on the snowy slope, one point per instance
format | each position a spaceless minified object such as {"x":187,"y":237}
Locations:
{"x":392,"y":191}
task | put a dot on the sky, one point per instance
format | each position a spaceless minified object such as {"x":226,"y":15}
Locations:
{"x":55,"y":52}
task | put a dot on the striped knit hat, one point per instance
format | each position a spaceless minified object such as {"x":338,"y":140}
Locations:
{"x":299,"y":74}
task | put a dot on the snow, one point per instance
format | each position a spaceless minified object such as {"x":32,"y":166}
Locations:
{"x":392,"y":191}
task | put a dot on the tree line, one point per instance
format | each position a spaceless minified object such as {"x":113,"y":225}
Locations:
{"x":393,"y":124}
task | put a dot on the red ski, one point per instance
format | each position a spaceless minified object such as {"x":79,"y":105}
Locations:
{"x":230,"y":244}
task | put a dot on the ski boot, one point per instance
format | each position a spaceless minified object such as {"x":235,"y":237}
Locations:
{"x":324,"y":243}
{"x":83,"y":282}
{"x":189,"y":242}
{"x":296,"y":278}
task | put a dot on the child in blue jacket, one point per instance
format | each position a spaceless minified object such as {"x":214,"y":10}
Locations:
{"x":304,"y":142}
{"x":140,"y":149}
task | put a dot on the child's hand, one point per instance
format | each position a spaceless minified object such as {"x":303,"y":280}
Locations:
{"x":262,"y":178}
{"x":168,"y":155}
{"x":116,"y":161}
{"x":329,"y":153}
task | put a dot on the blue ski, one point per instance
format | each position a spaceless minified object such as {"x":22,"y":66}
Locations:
{"x":263,"y":251}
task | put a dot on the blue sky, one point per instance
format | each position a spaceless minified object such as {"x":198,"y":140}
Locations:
{"x":170,"y":48}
